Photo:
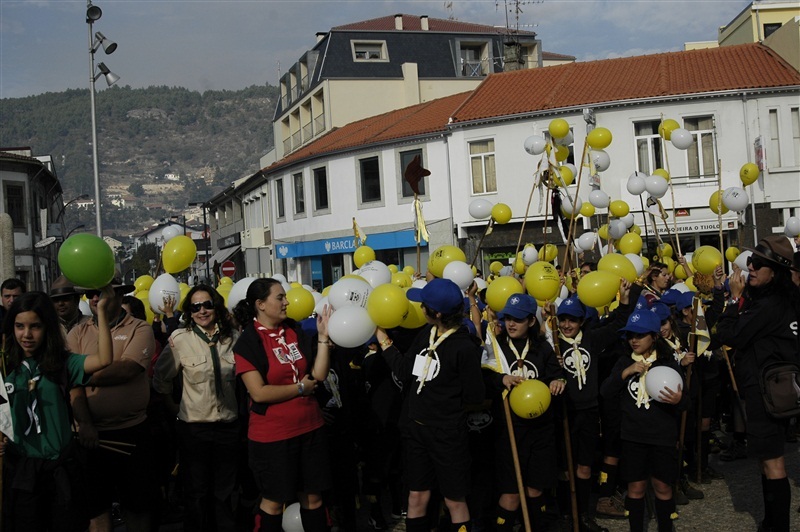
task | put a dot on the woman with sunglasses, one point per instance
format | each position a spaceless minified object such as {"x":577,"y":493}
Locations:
{"x":760,"y":324}
{"x":281,"y":366}
{"x":201,"y":354}
{"x":41,"y":469}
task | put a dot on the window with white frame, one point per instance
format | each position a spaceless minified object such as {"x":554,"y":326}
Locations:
{"x":369,"y":50}
{"x":299,"y":193}
{"x":405,"y":158}
{"x":702,"y":154}
{"x":649,"y":150}
{"x":474,"y":59}
{"x":482,"y":166}
{"x":279,"y":207}
{"x":370,"y":179}
{"x":773,"y":141}
{"x":795,"y":112}
{"x":320,"y":176}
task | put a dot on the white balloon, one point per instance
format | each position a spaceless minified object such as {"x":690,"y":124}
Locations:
{"x":636,"y":183}
{"x":480,"y":208}
{"x":735,"y":198}
{"x":291,"y":518}
{"x":286,"y":286}
{"x":319,"y":306}
{"x":568,"y":207}
{"x":576,"y":247}
{"x":349,"y":292}
{"x":656,"y":186}
{"x":86,"y":310}
{"x":564,"y":294}
{"x":587,"y":240}
{"x":350,"y":326}
{"x":530,"y":255}
{"x":792,"y":228}
{"x":566,"y":140}
{"x":239,"y":291}
{"x":317,"y":296}
{"x":419,"y":283}
{"x":628,"y":219}
{"x":637,"y":262}
{"x":170,"y":232}
{"x":459,"y":272}
{"x":681,"y":287}
{"x":480,"y":283}
{"x":617,"y":229}
{"x":506,"y":271}
{"x":535,"y":144}
{"x":599,"y":199}
{"x":375,"y":273}
{"x":165,"y":285}
{"x":280,"y":278}
{"x":681,"y":138}
{"x":741,"y":260}
{"x":572,"y":168}
{"x":309,"y":288}
{"x":600,"y":159}
{"x":661,"y":377}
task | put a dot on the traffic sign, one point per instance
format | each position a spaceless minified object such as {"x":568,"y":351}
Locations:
{"x":228,"y":268}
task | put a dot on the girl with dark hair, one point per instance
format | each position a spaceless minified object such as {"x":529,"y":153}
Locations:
{"x":201,"y":352}
{"x":649,"y":424}
{"x":760,"y":324}
{"x":281,"y":366}
{"x":656,"y":281}
{"x":41,"y":469}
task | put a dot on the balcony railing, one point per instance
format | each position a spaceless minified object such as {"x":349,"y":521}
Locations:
{"x":297,"y":139}
{"x":287,"y":145}
{"x":319,"y":124}
{"x":308,"y":132}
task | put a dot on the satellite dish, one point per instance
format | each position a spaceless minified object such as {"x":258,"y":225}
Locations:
{"x":44,"y":243}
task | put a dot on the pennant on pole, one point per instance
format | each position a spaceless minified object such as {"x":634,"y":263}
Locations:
{"x":6,"y":425}
{"x":359,"y":238}
{"x":414,"y":172}
{"x":420,"y":231}
{"x":701,"y":331}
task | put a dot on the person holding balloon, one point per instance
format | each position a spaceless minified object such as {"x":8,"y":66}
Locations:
{"x":42,"y":470}
{"x":650,"y":388}
{"x":517,"y":354}
{"x":656,"y":281}
{"x":445,"y":359}
{"x":201,"y":354}
{"x":281,"y":366}
{"x":760,"y":323}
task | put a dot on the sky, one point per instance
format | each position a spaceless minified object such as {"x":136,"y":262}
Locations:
{"x":233,"y":44}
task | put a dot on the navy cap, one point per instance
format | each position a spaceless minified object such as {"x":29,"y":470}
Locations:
{"x":684,"y":300}
{"x":481,"y":304}
{"x":519,"y":306}
{"x":670,"y":297}
{"x":439,"y":295}
{"x":661,"y":310}
{"x":572,"y":306}
{"x":642,"y":303}
{"x":643,"y":321}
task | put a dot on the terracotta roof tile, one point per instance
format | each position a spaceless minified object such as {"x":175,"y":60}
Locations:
{"x":610,"y":80}
{"x":412,"y":23}
{"x":552,"y":56}
{"x":425,"y":118}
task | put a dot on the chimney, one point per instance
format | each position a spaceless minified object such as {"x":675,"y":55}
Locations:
{"x":398,"y":22}
{"x":423,"y":22}
{"x":320,"y":35}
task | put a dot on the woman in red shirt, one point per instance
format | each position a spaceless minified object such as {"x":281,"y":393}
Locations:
{"x":281,"y":366}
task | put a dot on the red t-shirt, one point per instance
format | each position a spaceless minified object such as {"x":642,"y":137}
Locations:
{"x":287,"y":365}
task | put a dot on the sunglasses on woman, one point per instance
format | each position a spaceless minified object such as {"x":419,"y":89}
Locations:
{"x":756,"y":262}
{"x":196,"y":307}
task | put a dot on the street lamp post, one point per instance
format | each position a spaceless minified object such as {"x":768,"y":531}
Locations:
{"x":63,"y":210}
{"x":96,"y":40}
{"x":205,"y":237}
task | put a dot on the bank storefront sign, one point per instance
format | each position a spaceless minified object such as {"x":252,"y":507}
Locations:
{"x":335,"y":246}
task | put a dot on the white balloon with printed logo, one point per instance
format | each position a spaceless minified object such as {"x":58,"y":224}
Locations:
{"x":735,"y":198}
{"x":348,"y":292}
{"x":239,"y":291}
{"x":600,"y":159}
{"x":350,"y":326}
{"x":460,"y":273}
{"x":164,"y":286}
{"x":535,"y":144}
{"x":375,"y":273}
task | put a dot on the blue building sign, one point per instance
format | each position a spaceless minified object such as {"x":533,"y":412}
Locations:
{"x":335,"y":246}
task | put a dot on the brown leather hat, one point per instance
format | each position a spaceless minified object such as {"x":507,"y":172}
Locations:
{"x":62,"y":287}
{"x":777,"y":249}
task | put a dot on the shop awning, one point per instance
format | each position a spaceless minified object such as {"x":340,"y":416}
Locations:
{"x":223,"y":255}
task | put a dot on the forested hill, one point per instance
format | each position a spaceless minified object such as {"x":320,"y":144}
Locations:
{"x":202,"y":141}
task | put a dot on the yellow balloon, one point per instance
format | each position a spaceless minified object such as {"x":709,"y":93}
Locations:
{"x":705,"y":259}
{"x":599,"y":138}
{"x":353,"y":276}
{"x":587,"y":209}
{"x":564,"y":176}
{"x":665,"y":250}
{"x":542,"y":281}
{"x":619,"y":208}
{"x":618,"y":265}
{"x":603,"y":232}
{"x":501,"y":213}
{"x":666,"y":127}
{"x":144,"y":297}
{"x":325,"y":291}
{"x":184,"y":288}
{"x":598,"y":288}
{"x":401,"y":279}
{"x":646,"y":262}
{"x":295,"y":284}
{"x":630,"y":243}
{"x":443,"y":256}
{"x":690,"y":283}
{"x":225,"y":280}
{"x":749,"y":173}
{"x":562,"y":153}
{"x":224,"y":290}
{"x":409,"y":270}
{"x":415,"y":317}
{"x":387,"y":305}
{"x":670,"y":262}
{"x":392,"y":268}
{"x":636,"y":229}
{"x":529,"y":399}
{"x":548,"y":252}
{"x":301,"y":303}
{"x":500,"y":290}
{"x":143,"y":282}
{"x":662,"y":173}
{"x":715,"y":203}
{"x":519,"y":264}
{"x":495,"y":267}
{"x":680,"y":272}
{"x":558,"y":128}
{"x":179,"y":253}
{"x":363,"y":255}
{"x":731,"y":253}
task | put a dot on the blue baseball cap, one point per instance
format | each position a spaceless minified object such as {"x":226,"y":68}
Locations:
{"x":684,"y":300}
{"x":661,"y":310}
{"x":439,"y":295}
{"x":519,"y":306}
{"x":643,"y":321}
{"x":481,"y":304}
{"x":572,"y":306}
{"x":670,"y":297}
{"x":642,"y":303}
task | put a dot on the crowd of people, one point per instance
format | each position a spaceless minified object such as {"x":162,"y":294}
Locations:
{"x":235,"y":416}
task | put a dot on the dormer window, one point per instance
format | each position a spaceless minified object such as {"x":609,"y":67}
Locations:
{"x":369,"y":51}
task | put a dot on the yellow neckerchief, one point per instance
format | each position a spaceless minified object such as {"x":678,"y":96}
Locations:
{"x":500,"y":364}
{"x":677,"y":348}
{"x":433,"y":343}
{"x":580,"y":371}
{"x":520,"y":358}
{"x":642,"y":397}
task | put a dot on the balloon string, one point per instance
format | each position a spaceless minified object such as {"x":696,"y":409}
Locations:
{"x":719,"y":206}
{"x":572,"y":224}
{"x":480,"y":242}
{"x":671,"y":189}
{"x":528,"y":207}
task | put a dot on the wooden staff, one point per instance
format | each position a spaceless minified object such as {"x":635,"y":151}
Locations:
{"x":719,"y":205}
{"x":644,"y":217}
{"x":528,"y":208}
{"x":480,"y":243}
{"x":685,"y":413}
{"x":671,"y":192}
{"x":552,"y":322}
{"x":572,"y":224}
{"x":526,"y":520}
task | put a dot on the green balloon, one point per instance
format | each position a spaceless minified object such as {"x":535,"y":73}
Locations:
{"x":86,"y":260}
